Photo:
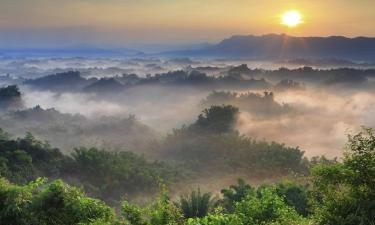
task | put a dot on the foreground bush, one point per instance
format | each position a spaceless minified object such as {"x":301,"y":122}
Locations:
{"x":345,"y":192}
{"x":265,"y":208}
{"x":196,"y":204}
{"x":41,"y":203}
{"x":160,"y":212}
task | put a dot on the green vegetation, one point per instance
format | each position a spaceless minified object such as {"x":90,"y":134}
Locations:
{"x":109,"y":175}
{"x":217,"y":119}
{"x":212,"y":144}
{"x":41,"y":203}
{"x":328,"y":191}
{"x":345,"y":192}
{"x":25,"y":159}
{"x":103,"y":174}
{"x":209,"y":146}
{"x":235,"y":193}
{"x":195,"y":205}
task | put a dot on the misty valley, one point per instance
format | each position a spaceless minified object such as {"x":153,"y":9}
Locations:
{"x":188,"y":112}
{"x":185,"y":140}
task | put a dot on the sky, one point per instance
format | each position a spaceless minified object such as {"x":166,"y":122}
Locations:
{"x":136,"y":23}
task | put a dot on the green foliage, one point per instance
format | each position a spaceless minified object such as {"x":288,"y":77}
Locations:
{"x":105,"y":174}
{"x":110,"y":174}
{"x":235,"y":193}
{"x":132,"y":214}
{"x":15,"y":202}
{"x":217,"y":218}
{"x":196,"y":204}
{"x":345,"y":192}
{"x":231,"y":152}
{"x":160,"y":212}
{"x":24,"y":159}
{"x":295,"y":195}
{"x":212,"y":144}
{"x":164,"y":212}
{"x":60,"y":204}
{"x":267,"y":208}
{"x":216,"y":119}
{"x":56,"y":203}
{"x":342,"y":192}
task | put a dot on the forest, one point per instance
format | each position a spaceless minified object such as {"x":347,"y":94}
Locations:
{"x":329,"y":191}
{"x":198,"y":146}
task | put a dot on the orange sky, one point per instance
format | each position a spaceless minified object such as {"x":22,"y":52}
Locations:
{"x":178,"y":21}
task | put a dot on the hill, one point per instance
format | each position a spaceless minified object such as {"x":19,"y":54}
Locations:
{"x":274,"y":46}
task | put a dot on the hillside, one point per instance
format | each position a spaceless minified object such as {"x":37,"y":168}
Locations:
{"x":274,"y":46}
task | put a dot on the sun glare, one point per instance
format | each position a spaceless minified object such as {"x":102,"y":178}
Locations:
{"x":291,"y":18}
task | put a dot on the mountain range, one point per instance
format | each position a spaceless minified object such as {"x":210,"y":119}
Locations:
{"x":281,"y":46}
{"x":264,"y":47}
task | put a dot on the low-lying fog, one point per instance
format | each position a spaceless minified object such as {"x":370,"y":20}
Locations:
{"x":317,"y":120}
{"x":318,"y":123}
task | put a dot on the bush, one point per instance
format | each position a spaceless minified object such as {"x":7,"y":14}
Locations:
{"x":160,"y":212}
{"x":41,"y":203}
{"x":234,"y":194}
{"x":345,"y":192}
{"x":196,"y":204}
{"x":25,"y":159}
{"x":267,"y":208}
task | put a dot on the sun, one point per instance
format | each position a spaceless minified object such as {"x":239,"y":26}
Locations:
{"x":291,"y":18}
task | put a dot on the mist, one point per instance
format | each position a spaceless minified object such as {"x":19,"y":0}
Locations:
{"x":154,"y":107}
{"x":311,"y":118}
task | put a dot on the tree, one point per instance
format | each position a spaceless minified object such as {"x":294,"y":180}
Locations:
{"x":217,"y":119}
{"x":55,"y":203}
{"x":195,"y":205}
{"x":266,"y":208}
{"x":345,"y":192}
{"x":10,"y":96}
{"x":295,"y":195}
{"x":235,"y":193}
{"x":160,"y":212}
{"x":110,"y":174}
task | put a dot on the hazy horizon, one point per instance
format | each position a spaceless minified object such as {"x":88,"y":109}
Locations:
{"x":164,"y":24}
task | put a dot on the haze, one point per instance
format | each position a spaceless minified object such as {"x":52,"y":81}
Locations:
{"x":138,"y":24}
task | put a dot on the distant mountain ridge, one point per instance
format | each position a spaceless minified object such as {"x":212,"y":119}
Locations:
{"x":276,"y":46}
